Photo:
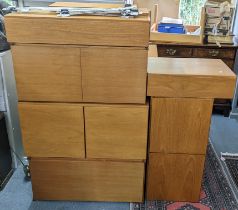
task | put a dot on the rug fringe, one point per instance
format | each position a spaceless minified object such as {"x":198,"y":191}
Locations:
{"x":227,"y":155}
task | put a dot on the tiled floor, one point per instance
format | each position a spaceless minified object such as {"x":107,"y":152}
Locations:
{"x":17,"y":194}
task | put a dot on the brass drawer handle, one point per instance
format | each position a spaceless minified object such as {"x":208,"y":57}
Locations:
{"x":171,"y":51}
{"x":213,"y":53}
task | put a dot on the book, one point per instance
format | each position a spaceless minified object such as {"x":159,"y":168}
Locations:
{"x":221,"y":39}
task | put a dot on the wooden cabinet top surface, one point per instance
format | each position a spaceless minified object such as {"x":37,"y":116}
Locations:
{"x":189,"y":67}
{"x":190,"y":77}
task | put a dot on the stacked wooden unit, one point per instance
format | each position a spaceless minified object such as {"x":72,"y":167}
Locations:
{"x":227,"y":53}
{"x":80,"y":150}
{"x":182,"y":91}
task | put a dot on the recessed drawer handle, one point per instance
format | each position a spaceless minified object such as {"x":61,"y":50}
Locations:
{"x":171,"y":51}
{"x":213,"y":53}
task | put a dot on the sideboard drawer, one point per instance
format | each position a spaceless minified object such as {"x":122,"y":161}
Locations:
{"x":47,"y":73}
{"x":52,"y":130}
{"x":72,"y":179}
{"x":116,"y":132}
{"x":114,"y":75}
{"x":174,"y":177}
{"x":185,"y":125}
{"x":174,"y":51}
{"x":214,"y":53}
{"x":77,"y":30}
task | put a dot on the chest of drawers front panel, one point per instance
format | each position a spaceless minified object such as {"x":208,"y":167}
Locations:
{"x":103,"y":131}
{"x":55,"y":73}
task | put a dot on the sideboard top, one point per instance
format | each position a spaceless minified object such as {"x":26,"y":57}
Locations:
{"x":190,"y":78}
{"x":189,"y":67}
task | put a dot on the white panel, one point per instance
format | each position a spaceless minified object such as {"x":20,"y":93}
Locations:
{"x":2,"y":101}
{"x":11,"y":101}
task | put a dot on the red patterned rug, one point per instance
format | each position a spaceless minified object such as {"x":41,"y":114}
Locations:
{"x":216,"y":193}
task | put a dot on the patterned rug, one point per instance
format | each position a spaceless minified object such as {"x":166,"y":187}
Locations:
{"x":232,"y":165}
{"x":216,"y":193}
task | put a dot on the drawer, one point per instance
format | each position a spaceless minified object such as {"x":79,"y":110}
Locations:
{"x":52,"y":130}
{"x":47,"y":73}
{"x":116,"y":132}
{"x":180,"y":125}
{"x":174,"y":177}
{"x":114,"y":75}
{"x":229,"y":63}
{"x":174,"y":51}
{"x":78,"y":30}
{"x":68,"y":179}
{"x":214,"y":53}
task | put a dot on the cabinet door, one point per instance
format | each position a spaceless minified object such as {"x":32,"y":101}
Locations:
{"x":47,"y":73}
{"x":174,"y":177}
{"x":180,"y":125}
{"x":116,"y":132}
{"x":70,"y":179}
{"x":52,"y":130}
{"x":114,"y":75}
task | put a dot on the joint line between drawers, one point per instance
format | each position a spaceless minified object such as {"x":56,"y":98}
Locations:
{"x":84,"y":126}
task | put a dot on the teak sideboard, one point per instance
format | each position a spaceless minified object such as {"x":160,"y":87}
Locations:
{"x":82,"y":87}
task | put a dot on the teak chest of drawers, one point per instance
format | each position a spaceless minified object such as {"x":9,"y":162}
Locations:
{"x":182,"y":93}
{"x":81,"y":85}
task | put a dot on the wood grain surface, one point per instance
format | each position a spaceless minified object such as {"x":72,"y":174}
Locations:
{"x":52,"y":130}
{"x":84,"y":30}
{"x":153,"y":52}
{"x":68,"y":179}
{"x":175,"y":51}
{"x":116,"y":132}
{"x":180,"y":125}
{"x":47,"y":73}
{"x":174,"y":177}
{"x":114,"y":75}
{"x":85,"y":5}
{"x":190,"y":77}
{"x":214,"y":53}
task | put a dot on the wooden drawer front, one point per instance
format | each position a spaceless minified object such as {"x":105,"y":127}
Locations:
{"x":174,"y":177}
{"x":174,"y":52}
{"x":180,"y":125}
{"x":52,"y":130}
{"x":47,"y":73}
{"x":114,"y":75}
{"x":229,"y":63}
{"x":63,"y":179}
{"x":116,"y":132}
{"x":214,"y":53}
{"x":111,"y":31}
